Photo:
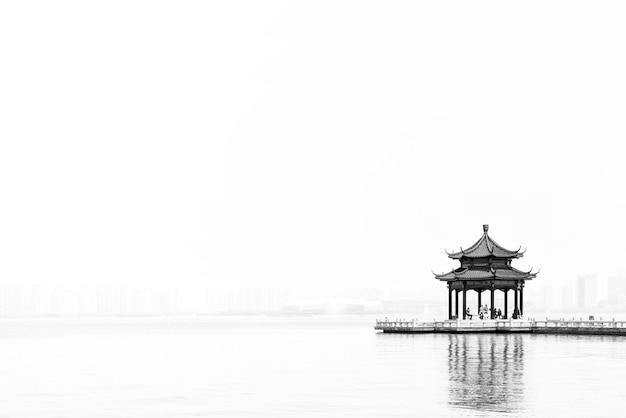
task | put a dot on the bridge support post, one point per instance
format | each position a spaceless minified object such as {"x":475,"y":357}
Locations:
{"x":521,"y":299}
{"x":506,"y":303}
{"x":515,"y":306}
{"x":449,"y":301}
{"x":464,"y":299}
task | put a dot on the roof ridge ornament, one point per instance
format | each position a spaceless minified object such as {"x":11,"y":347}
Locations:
{"x":488,"y":241}
{"x":486,"y":238}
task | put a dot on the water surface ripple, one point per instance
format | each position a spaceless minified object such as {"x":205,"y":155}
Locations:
{"x":304,"y":367}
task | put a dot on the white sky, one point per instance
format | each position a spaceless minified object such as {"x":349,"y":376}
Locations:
{"x":308,"y":144}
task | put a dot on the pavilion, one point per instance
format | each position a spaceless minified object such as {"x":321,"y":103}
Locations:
{"x":486,"y":265}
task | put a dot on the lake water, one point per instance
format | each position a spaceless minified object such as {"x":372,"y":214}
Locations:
{"x":298,"y":367}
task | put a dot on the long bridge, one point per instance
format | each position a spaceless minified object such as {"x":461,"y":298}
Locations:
{"x":547,"y":326}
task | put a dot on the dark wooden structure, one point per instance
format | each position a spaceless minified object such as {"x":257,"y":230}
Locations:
{"x":486,"y":266}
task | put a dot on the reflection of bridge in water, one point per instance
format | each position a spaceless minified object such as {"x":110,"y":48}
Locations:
{"x":486,"y":372}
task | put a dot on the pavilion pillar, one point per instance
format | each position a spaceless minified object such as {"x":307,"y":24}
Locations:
{"x":464,"y":298}
{"x":456,"y":304}
{"x":479,"y":303}
{"x":492,"y":303}
{"x":506,"y":303}
{"x":449,"y":302}
{"x":521,"y":298}
{"x":515,"y":308}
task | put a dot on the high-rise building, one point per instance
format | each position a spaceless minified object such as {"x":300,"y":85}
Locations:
{"x":567,"y":297}
{"x":168,"y":302}
{"x":88,"y":302}
{"x":586,"y":291}
{"x":59,"y":301}
{"x":40,"y":300}
{"x":616,"y":289}
{"x":547,"y":296}
{"x":12,"y":301}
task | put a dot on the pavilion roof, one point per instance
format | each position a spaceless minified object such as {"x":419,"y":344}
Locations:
{"x":508,"y":273}
{"x":486,"y":247}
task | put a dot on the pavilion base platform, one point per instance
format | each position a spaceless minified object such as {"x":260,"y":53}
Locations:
{"x":528,"y":326}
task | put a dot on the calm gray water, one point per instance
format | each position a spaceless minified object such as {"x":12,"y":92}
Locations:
{"x":306,"y":367}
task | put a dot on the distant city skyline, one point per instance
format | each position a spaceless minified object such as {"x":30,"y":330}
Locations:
{"x":586,"y":294}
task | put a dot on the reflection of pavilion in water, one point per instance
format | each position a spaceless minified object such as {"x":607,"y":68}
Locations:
{"x":486,"y":372}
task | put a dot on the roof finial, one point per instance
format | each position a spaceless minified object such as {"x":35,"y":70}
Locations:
{"x":485,"y":228}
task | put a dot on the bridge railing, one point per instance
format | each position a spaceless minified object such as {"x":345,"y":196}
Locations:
{"x":571,"y":323}
{"x":403,"y":324}
{"x":386,"y":324}
{"x":547,"y":323}
{"x":397,"y":323}
{"x":501,"y":323}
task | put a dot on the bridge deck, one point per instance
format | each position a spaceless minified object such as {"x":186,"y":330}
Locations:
{"x":548,"y":326}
